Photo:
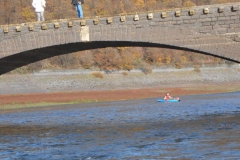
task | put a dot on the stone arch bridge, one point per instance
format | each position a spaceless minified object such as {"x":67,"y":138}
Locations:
{"x":212,"y":30}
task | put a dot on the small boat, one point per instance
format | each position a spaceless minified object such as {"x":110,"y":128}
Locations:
{"x":170,"y":100}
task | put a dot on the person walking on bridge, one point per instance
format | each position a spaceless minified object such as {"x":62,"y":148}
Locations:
{"x":78,"y":6}
{"x":39,"y":9}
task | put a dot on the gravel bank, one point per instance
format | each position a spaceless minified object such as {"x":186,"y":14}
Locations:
{"x":79,"y":80}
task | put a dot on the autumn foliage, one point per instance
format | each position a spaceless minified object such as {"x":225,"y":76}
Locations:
{"x":20,"y":11}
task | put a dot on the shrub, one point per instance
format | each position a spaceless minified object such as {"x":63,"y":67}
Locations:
{"x":21,"y":70}
{"x":146,"y":68}
{"x":86,"y":59}
{"x":178,"y":65}
{"x":98,"y":74}
{"x":125,"y":73}
{"x":197,"y":68}
{"x":109,"y":60}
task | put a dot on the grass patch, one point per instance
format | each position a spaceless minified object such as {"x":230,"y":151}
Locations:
{"x":26,"y":105}
{"x":43,"y":104}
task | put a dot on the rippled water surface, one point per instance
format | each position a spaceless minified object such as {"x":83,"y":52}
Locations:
{"x":198,"y":127}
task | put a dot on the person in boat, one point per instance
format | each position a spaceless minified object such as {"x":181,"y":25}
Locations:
{"x":167,"y":97}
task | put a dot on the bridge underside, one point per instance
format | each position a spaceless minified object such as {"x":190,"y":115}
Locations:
{"x":15,"y":61}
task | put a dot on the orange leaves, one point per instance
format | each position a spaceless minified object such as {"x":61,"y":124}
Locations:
{"x":110,"y":60}
{"x":139,"y":3}
{"x":184,"y":58}
{"x":127,"y":60}
{"x":28,"y":14}
{"x":189,"y":3}
{"x":137,"y":55}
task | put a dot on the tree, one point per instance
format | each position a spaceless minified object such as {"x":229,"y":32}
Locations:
{"x":86,"y":59}
{"x":109,"y":60}
{"x":127,"y":60}
{"x":153,"y":56}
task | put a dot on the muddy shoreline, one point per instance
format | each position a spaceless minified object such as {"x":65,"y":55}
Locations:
{"x":53,"y":101}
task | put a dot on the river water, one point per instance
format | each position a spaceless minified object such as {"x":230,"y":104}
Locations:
{"x":197,"y":127}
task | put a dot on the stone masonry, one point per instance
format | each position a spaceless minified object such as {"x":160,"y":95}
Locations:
{"x":212,"y":30}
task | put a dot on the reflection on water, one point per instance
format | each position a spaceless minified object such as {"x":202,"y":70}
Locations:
{"x":198,"y":127}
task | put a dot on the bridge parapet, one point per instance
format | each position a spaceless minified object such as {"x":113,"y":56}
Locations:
{"x":225,"y":15}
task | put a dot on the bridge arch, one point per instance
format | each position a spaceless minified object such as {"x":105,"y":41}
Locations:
{"x":212,"y":30}
{"x":12,"y":62}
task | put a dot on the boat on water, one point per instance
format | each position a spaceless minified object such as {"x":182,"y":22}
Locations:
{"x":170,"y":100}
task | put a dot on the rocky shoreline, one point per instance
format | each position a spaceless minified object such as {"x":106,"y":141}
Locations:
{"x":78,"y":80}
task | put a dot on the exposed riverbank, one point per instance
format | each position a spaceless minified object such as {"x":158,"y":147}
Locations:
{"x":75,"y":86}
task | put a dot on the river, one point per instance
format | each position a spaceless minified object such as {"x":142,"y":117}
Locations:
{"x":197,"y":127}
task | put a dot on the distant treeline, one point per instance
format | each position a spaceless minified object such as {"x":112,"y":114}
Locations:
{"x":110,"y":59}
